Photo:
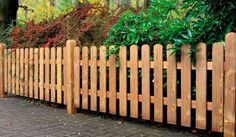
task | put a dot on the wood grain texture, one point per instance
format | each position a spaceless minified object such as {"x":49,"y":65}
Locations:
{"x":9,"y":61}
{"x":102,"y":79}
{"x":85,"y":69}
{"x":217,"y":87}
{"x":123,"y":80}
{"x":2,"y":94}
{"x":17,"y":71}
{"x":53,"y":74}
{"x":146,"y":100}
{"x":70,"y":45}
{"x":31,"y":72}
{"x":186,"y":86}
{"x":59,"y":75}
{"x":134,"y":81}
{"x":26,"y":74}
{"x":171,"y":87}
{"x":21,"y":72}
{"x":158,"y":83}
{"x":13,"y":71}
{"x":36,"y":73}
{"x":201,"y":87}
{"x":112,"y":84}
{"x":47,"y":74}
{"x":77,"y":77}
{"x":230,"y":86}
{"x":41,"y":74}
{"x":5,"y":70}
{"x":93,"y":78}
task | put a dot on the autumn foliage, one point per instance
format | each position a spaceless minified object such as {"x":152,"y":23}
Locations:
{"x":88,"y":24}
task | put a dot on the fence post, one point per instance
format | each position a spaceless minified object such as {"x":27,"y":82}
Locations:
{"x":2,"y":94}
{"x":69,"y":58}
{"x":230,"y":86}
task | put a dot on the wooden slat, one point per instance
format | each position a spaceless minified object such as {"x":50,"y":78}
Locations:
{"x":77,"y":85}
{"x":41,"y":74}
{"x":53,"y":74}
{"x":85,"y":77}
{"x":112,"y":84}
{"x":9,"y":71}
{"x":186,"y":86}
{"x":134,"y":81}
{"x":230,"y":84}
{"x":93,"y":83}
{"x":36,"y":73}
{"x":201,"y":87}
{"x":17,"y":71}
{"x":146,"y":99}
{"x":123,"y":80}
{"x":102,"y":79}
{"x":171,"y":87}
{"x":31,"y":72}
{"x":64,"y":76}
{"x":158,"y":83}
{"x":69,"y":56}
{"x":47,"y":74}
{"x":217,"y":87}
{"x":13,"y":72}
{"x":2,"y":94}
{"x":26,"y":75}
{"x":5,"y":70}
{"x":59,"y":75}
{"x":21,"y":72}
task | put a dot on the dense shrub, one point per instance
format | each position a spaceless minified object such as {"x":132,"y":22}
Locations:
{"x":87,"y":24}
{"x":171,"y":21}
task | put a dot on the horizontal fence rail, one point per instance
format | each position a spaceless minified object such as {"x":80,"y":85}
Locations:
{"x":149,"y":84}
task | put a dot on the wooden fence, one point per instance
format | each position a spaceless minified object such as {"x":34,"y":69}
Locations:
{"x":146,"y":86}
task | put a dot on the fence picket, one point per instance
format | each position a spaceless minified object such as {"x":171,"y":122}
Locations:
{"x":2,"y":94}
{"x":41,"y":74}
{"x":217,"y":87}
{"x":123,"y":80}
{"x":31,"y":72}
{"x":22,"y":72}
{"x":5,"y":70}
{"x":47,"y":74}
{"x":93,"y":68}
{"x":171,"y":87}
{"x":53,"y":74}
{"x":112,"y":84}
{"x":134,"y":81}
{"x":102,"y":79}
{"x":85,"y":68}
{"x":146,"y":100}
{"x":26,"y":75}
{"x":230,"y":84}
{"x":77,"y":77}
{"x":64,"y":77}
{"x":59,"y":75}
{"x":9,"y":71}
{"x":185,"y":86}
{"x":13,"y":72}
{"x":36,"y":73}
{"x":201,"y":87}
{"x":158,"y":83}
{"x":17,"y":71}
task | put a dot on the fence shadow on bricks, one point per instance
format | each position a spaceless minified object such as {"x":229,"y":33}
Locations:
{"x":145,"y":85}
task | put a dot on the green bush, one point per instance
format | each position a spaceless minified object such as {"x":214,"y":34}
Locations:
{"x":175,"y":22}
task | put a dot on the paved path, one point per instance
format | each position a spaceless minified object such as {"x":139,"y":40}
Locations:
{"x":20,"y":117}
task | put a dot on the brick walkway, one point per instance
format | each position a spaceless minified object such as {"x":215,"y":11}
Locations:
{"x":20,"y":117}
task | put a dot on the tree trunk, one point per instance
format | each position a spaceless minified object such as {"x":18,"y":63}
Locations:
{"x":8,"y":12}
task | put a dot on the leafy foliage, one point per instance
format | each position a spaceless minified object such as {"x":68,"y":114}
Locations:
{"x":171,"y":21}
